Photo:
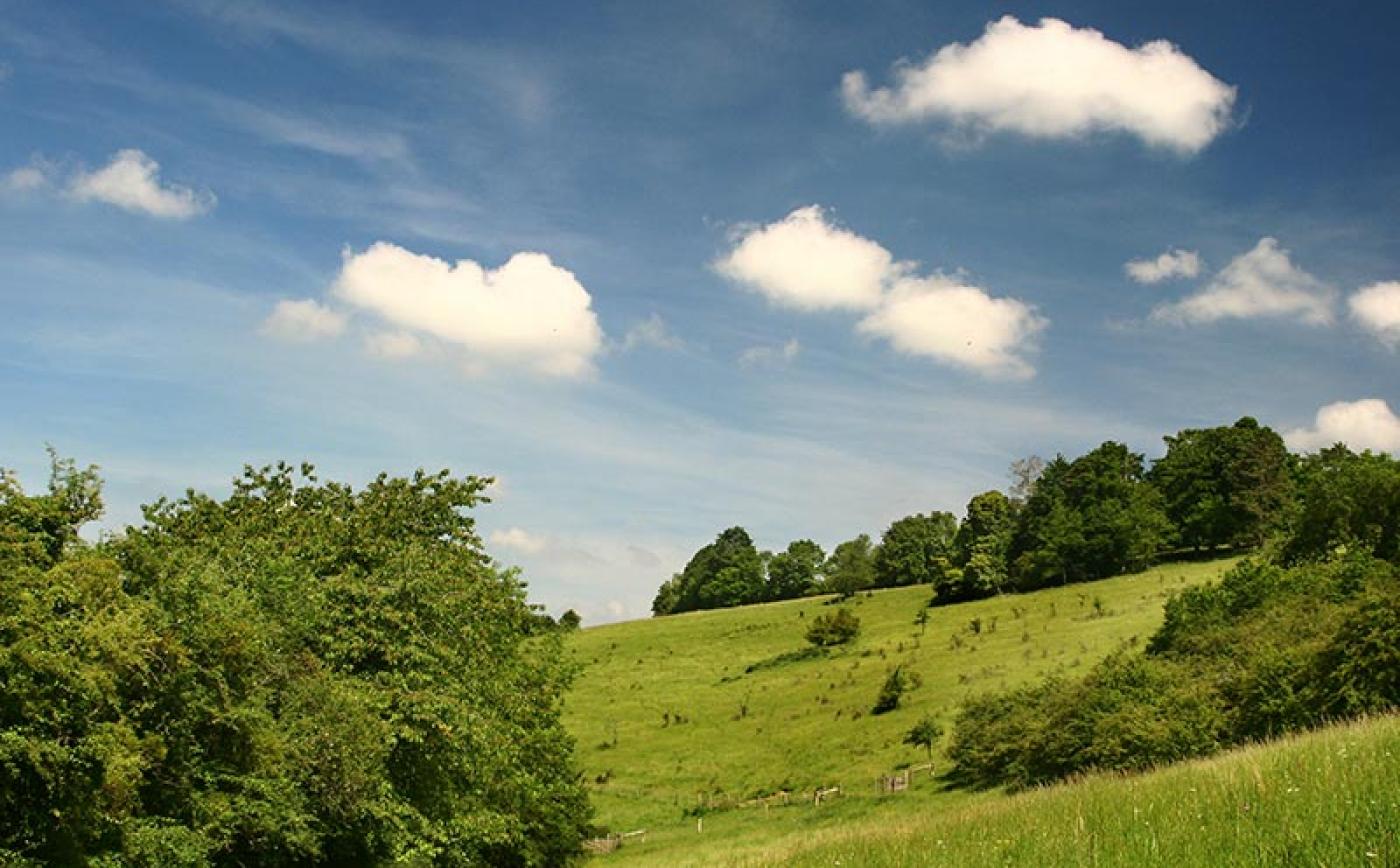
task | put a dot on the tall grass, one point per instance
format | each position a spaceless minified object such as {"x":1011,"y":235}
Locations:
{"x":1326,"y":798}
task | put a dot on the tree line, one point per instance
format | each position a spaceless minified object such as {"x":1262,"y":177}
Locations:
{"x":1304,"y":632}
{"x":1063,"y":521}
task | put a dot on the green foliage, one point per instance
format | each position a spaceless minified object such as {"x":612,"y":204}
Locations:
{"x":837,"y":628}
{"x":1268,"y":650}
{"x":915,"y":550}
{"x":301,"y":673}
{"x":891,"y":692}
{"x":793,"y":573}
{"x":570,"y":620}
{"x":1346,"y":500}
{"x":1224,"y":486}
{"x":924,"y":734}
{"x":851,"y":567}
{"x":979,"y":550}
{"x":1093,"y":517}
{"x":727,"y":572}
{"x":35,"y":530}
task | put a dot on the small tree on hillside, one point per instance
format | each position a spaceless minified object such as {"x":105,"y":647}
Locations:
{"x":924,"y":734}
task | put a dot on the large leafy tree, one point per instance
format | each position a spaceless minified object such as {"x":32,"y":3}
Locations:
{"x":979,"y":550}
{"x":301,"y":673}
{"x":1345,"y":500}
{"x":915,"y":550}
{"x":1224,"y":486}
{"x":1087,"y":519}
{"x":851,"y":567}
{"x":727,"y":572}
{"x":793,"y":572}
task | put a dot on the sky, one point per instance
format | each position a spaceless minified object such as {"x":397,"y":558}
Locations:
{"x":664,"y":268}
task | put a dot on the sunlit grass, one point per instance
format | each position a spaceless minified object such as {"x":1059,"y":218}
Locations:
{"x":803,"y":724}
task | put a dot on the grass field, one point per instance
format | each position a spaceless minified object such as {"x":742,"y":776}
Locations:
{"x":800,"y":725}
{"x":1326,"y":798}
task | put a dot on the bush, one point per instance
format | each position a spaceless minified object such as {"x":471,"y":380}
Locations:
{"x":1266,"y":651}
{"x":890,"y":692}
{"x":838,"y":628}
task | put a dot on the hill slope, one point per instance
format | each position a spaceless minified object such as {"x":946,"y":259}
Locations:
{"x":805,"y":724}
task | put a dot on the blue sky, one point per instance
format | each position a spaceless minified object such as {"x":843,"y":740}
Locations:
{"x":666,"y":268}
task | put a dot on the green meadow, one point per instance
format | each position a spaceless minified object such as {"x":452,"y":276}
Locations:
{"x":683,"y":721}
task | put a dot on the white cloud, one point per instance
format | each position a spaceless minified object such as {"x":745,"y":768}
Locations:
{"x":651,"y":332}
{"x":1377,"y":309}
{"x":393,"y":345}
{"x":518,"y":539}
{"x":1364,"y":424}
{"x":765,"y":354}
{"x":528,"y":312}
{"x":806,"y":262}
{"x":1053,"y":81}
{"x":1260,"y":283}
{"x":962,"y":325}
{"x":25,"y":179}
{"x":303,"y":320}
{"x":1173,"y":263}
{"x":132,"y":182}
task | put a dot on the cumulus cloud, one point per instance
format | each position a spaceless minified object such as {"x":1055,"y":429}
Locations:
{"x":518,"y":539}
{"x":529,"y":312}
{"x":806,"y":262}
{"x":650,"y":332}
{"x":1364,"y":424}
{"x":1053,"y":81}
{"x":1377,"y":309}
{"x":1173,"y":263}
{"x":1261,"y":283}
{"x":942,"y":318}
{"x":303,"y":320}
{"x":770,"y":354}
{"x":132,"y":182}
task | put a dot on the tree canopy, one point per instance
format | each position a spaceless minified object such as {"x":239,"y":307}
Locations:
{"x":915,"y":550}
{"x":299,"y":673}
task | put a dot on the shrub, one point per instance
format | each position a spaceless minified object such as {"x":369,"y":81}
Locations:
{"x":890,"y":692}
{"x":837,"y":628}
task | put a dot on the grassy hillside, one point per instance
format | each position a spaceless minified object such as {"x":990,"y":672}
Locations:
{"x":1330,"y":797}
{"x":801,"y":725}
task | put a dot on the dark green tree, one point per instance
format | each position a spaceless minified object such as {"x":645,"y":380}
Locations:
{"x":727,"y":572}
{"x":851,"y":567}
{"x":1225,"y":486}
{"x":891,"y":692}
{"x":668,"y":596}
{"x":980,"y":550}
{"x":793,"y":573}
{"x":1345,"y":500}
{"x":915,"y":550}
{"x":924,"y":734}
{"x":1087,"y":519}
